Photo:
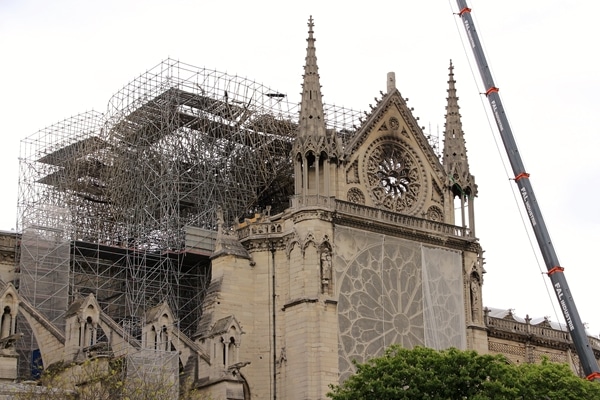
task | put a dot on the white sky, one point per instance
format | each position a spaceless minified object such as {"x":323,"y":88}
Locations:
{"x":60,"y":58}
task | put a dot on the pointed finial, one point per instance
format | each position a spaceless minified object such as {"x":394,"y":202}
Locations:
{"x":391,"y":82}
{"x":312,"y":122}
{"x":455,"y":150}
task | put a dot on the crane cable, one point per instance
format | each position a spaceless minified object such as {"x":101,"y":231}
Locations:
{"x":506,"y":172}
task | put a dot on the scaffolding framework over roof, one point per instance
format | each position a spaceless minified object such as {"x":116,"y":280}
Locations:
{"x":125,"y":188}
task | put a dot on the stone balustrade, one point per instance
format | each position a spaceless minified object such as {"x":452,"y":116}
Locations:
{"x":400,"y":219}
{"x":300,"y":201}
{"x":594,"y":342}
{"x":259,"y":228}
{"x":508,"y":325}
{"x":376,"y":214}
{"x":357,"y":210}
{"x":541,"y":330}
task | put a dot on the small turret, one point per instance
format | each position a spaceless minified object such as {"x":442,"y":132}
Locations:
{"x":81,"y":326}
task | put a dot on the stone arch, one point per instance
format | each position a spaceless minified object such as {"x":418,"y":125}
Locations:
{"x":165,"y":339}
{"x":232,"y":350}
{"x":293,"y":241}
{"x":153,"y":338}
{"x":6,"y":326}
{"x":310,"y":239}
{"x":90,"y":316}
{"x":50,"y":340}
{"x":323,"y":155}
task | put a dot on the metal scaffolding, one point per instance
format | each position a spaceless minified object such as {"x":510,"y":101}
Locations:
{"x":152,"y":371}
{"x":124,"y":189}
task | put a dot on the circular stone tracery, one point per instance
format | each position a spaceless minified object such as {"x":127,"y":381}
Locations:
{"x":355,"y":195}
{"x":393,"y":177}
{"x":380,"y":301}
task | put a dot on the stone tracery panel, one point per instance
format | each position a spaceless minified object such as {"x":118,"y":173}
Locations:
{"x":395,"y":291}
{"x":395,"y":176}
{"x":505,"y":348}
{"x":355,"y":195}
{"x":557,"y":357}
{"x":434,"y":213}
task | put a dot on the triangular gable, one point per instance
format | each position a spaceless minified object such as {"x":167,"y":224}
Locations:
{"x":81,"y":304}
{"x":390,"y":164}
{"x":155,"y":313}
{"x":8,"y":288}
{"x":224,"y":325}
{"x":392,"y":116}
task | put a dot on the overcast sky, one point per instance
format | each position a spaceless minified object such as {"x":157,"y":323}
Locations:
{"x":61,"y":58}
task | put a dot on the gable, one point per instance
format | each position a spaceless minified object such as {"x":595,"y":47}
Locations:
{"x":391,"y":165}
{"x":392,"y":116}
{"x":160,"y":313}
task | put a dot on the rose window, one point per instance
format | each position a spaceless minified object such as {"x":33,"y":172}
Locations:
{"x":393,"y":177}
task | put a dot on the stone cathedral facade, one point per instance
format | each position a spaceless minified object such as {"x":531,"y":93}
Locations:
{"x":368,"y":254}
{"x":377,"y":247}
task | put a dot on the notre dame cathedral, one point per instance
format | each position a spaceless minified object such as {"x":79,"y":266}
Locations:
{"x":364,"y":238}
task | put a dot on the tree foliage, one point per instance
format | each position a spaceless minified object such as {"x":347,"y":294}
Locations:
{"x":554,"y":381}
{"x":423,"y":373}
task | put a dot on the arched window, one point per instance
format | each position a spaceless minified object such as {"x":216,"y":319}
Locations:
{"x":164,"y":338}
{"x":153,"y":339}
{"x":88,"y":338}
{"x":6,"y":323}
{"x":231,"y":352}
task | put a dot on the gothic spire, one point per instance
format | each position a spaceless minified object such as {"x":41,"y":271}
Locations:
{"x":455,"y":150}
{"x":312,"y":122}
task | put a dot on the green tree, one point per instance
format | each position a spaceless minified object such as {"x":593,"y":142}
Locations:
{"x":423,"y":373}
{"x":550,"y":380}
